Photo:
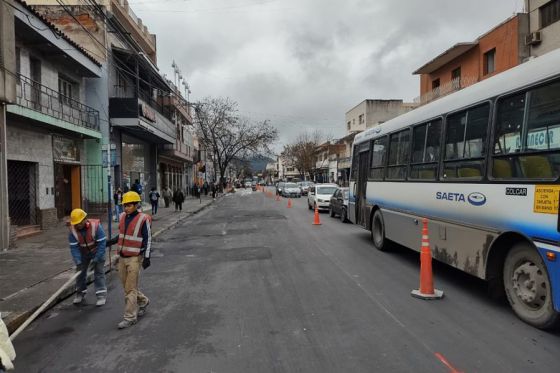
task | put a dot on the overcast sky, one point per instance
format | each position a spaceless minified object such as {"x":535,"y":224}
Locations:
{"x":304,"y":63}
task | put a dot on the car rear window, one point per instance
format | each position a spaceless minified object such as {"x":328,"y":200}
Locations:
{"x":291,"y":185}
{"x":326,"y":190}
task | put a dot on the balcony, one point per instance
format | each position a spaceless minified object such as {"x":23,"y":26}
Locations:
{"x":65,"y":110}
{"x":141,"y":119}
{"x":446,"y":89}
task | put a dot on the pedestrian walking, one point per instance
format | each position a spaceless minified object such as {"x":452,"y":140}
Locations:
{"x":213,"y":190}
{"x":205,"y":188}
{"x":137,"y":187}
{"x":167,"y":194}
{"x":117,"y":198}
{"x":87,"y":245}
{"x":154,"y":199}
{"x":134,"y":245}
{"x":178,"y":198}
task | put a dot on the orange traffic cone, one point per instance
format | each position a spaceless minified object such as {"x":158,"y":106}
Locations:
{"x":316,"y":220}
{"x":426,"y":290}
{"x":289,"y":203}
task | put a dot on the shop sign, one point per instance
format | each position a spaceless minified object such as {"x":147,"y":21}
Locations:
{"x":147,"y":112}
{"x":65,"y":150}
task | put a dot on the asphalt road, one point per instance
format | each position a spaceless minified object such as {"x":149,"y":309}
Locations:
{"x":252,"y":286}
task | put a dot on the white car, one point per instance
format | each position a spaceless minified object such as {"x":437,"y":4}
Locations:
{"x":320,"y":195}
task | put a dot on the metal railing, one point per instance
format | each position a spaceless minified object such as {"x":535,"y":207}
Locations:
{"x":445,"y":89}
{"x":38,"y":97}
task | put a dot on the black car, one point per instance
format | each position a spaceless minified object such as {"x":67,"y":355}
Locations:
{"x":339,"y":204}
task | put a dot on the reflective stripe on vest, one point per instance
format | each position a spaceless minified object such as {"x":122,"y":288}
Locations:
{"x":87,"y":244}
{"x":130,"y":242}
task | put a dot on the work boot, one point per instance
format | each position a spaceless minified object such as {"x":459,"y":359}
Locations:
{"x":142,"y":309}
{"x":101,"y":300}
{"x":126,"y":323}
{"x":78,"y":298}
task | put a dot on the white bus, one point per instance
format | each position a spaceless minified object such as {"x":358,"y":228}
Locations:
{"x":482,"y":165}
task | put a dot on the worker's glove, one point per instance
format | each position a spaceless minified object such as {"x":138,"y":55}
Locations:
{"x":146,"y":263}
{"x":79,"y":267}
{"x":113,"y":241}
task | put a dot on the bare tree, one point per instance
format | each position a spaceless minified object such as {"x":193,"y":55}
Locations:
{"x":301,"y":153}
{"x":228,"y":136}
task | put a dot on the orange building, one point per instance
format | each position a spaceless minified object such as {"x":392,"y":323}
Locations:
{"x":464,"y":64}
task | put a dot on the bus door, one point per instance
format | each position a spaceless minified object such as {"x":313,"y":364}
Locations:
{"x":361,"y":185}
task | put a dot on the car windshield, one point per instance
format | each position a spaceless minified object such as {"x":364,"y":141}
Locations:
{"x":291,"y":185}
{"x":326,"y":190}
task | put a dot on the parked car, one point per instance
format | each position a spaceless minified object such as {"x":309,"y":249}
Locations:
{"x":339,"y":204}
{"x":320,"y":196}
{"x":279,"y":188}
{"x":291,"y":190}
{"x":247,"y":184}
{"x":304,"y":187}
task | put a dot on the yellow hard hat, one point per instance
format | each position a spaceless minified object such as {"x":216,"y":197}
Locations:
{"x":77,"y":216}
{"x":131,"y":197}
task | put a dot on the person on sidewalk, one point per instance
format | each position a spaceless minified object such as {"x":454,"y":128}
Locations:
{"x":87,"y":245}
{"x":178,"y":198}
{"x":167,"y":194}
{"x":213,"y":188}
{"x":134,"y":245}
{"x":117,"y":197}
{"x":154,"y":199}
{"x":7,"y":352}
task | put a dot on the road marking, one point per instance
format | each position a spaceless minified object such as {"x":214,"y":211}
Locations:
{"x":446,"y":363}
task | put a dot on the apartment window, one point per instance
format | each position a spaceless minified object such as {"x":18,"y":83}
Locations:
{"x":550,"y":13}
{"x":65,"y":89}
{"x":456,"y":78}
{"x":348,"y":126}
{"x":361,"y":118}
{"x":435,"y":83}
{"x":490,"y":61}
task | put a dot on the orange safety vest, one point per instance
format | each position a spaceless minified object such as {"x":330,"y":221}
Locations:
{"x":130,"y":242}
{"x":87,"y":244}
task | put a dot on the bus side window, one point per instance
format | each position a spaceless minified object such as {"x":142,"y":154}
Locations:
{"x":465,"y":143}
{"x":426,"y":139}
{"x":528,"y":150}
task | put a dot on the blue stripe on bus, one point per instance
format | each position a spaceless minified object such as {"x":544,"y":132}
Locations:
{"x":529,"y":230}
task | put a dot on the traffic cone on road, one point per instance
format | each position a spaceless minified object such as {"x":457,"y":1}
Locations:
{"x":426,"y":290}
{"x":289,"y":203}
{"x":316,"y":220}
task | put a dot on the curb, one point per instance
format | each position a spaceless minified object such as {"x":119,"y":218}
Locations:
{"x":13,"y":320}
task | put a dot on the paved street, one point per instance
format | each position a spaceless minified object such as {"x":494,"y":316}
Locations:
{"x":249,"y":285}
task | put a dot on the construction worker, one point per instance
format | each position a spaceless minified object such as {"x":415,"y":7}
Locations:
{"x":87,"y":245}
{"x":135,"y":239}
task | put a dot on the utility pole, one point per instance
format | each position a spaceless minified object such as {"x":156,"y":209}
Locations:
{"x":7,"y":95}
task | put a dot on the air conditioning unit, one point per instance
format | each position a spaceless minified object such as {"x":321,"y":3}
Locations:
{"x":533,"y":38}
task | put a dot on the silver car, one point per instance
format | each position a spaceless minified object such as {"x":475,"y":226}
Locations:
{"x":291,"y":190}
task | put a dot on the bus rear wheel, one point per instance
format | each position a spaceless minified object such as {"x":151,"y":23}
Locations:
{"x":378,"y":231}
{"x":527,"y":287}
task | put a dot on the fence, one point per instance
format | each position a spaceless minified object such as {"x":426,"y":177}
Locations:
{"x":94,"y":189}
{"x":36,"y":96}
{"x":445,"y":89}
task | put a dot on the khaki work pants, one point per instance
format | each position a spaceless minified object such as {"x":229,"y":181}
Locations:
{"x":129,"y":272}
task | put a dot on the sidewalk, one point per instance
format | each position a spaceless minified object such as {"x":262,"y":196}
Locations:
{"x":39,"y":265}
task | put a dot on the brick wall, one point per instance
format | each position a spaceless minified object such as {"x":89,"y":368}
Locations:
{"x":47,"y":218}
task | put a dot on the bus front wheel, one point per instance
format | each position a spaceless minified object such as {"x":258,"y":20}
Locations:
{"x":527,"y":287}
{"x":378,"y":231}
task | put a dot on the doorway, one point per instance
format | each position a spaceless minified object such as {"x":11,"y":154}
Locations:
{"x":67,"y":189}
{"x":22,"y":192}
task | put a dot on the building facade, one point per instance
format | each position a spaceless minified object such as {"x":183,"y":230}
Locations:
{"x":369,"y":113}
{"x":467,"y":63}
{"x":53,"y":136}
{"x":544,"y":26}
